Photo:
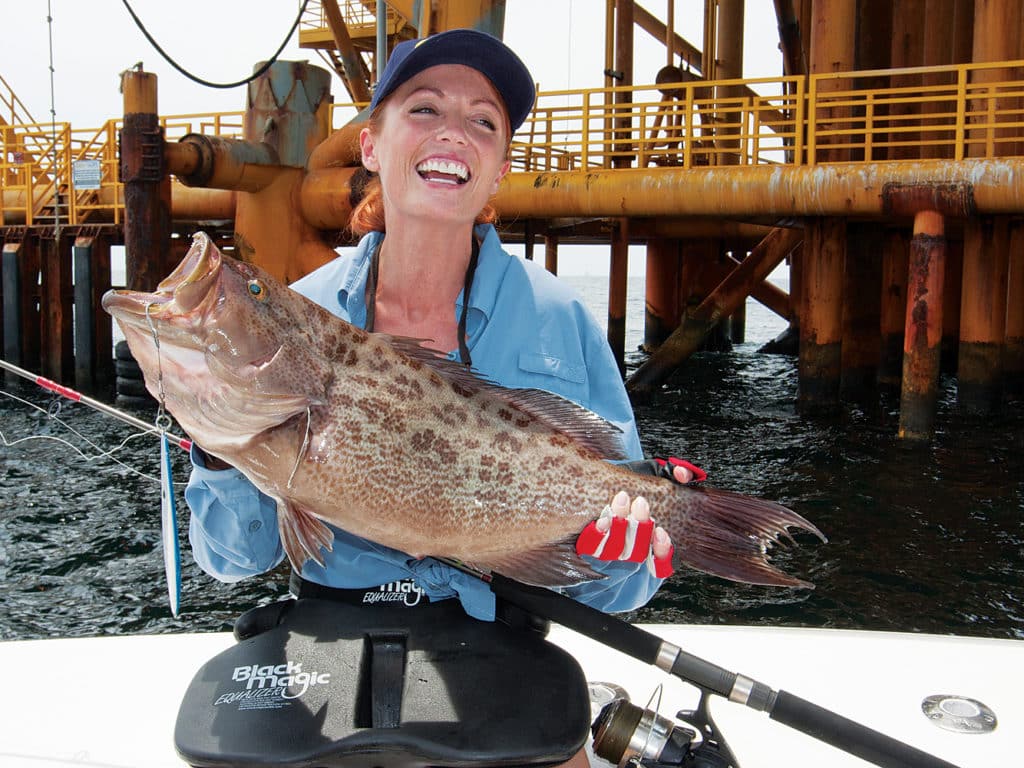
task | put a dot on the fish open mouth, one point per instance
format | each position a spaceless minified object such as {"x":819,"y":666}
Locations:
{"x":181,"y":293}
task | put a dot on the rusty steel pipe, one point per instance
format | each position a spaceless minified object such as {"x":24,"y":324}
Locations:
{"x":821,"y":330}
{"x":721,"y":302}
{"x":618,"y":273}
{"x":922,"y":335}
{"x":993,"y":186}
{"x":983,"y":313}
{"x":198,"y":204}
{"x":199,"y":160}
{"x":147,"y":188}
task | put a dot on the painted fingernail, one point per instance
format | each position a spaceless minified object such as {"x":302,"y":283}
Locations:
{"x":620,"y":504}
{"x":640,"y":510}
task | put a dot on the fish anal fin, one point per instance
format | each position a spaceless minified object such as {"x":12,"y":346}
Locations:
{"x":302,"y":534}
{"x":554,"y":565}
{"x":730,"y":535}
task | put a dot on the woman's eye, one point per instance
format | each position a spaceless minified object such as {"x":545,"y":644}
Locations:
{"x":487,"y":123}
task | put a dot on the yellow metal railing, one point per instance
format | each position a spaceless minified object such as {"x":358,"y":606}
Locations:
{"x":360,"y":17}
{"x":32,"y":155}
{"x":12,"y":111}
{"x":969,"y":110}
{"x":955,"y":112}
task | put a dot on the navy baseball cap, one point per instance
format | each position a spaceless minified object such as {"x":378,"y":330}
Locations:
{"x":479,"y":50}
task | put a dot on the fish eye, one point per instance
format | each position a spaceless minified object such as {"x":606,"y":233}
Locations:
{"x":257,"y":290}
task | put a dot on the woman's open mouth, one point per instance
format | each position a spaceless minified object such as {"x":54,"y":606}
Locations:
{"x":443,"y":171}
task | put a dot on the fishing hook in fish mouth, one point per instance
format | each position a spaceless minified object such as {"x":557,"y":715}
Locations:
{"x":302,"y":449}
{"x":159,"y":366}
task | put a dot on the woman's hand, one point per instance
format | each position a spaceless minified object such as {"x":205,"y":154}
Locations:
{"x":625,"y":531}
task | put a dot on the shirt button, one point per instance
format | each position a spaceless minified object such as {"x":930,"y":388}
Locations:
{"x":255,"y":525}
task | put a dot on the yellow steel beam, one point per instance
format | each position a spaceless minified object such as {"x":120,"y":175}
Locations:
{"x":356,"y":75}
{"x":827,"y":190}
{"x":996,"y":186}
{"x":657,"y":29}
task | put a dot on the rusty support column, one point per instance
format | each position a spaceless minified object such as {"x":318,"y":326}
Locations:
{"x":147,"y":188}
{"x":821,"y":315}
{"x":790,"y":42}
{"x":895,"y":266}
{"x":833,"y":49}
{"x":983,"y":313}
{"x":952,"y":288}
{"x":938,"y":51}
{"x":623,"y":148}
{"x":738,"y":323}
{"x":551,"y":253}
{"x":93,"y":332}
{"x":618,"y":272}
{"x":923,"y":330}
{"x":57,"y":345}
{"x":729,"y":66}
{"x":20,"y":276}
{"x":696,"y":324}
{"x":861,"y":347}
{"x":529,"y":236}
{"x":962,"y":22}
{"x":997,"y":28}
{"x":907,"y":51}
{"x":661,"y":306}
{"x":1013,"y":358}
{"x":874,"y":53}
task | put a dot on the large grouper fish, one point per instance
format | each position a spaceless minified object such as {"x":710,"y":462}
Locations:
{"x":387,"y":440}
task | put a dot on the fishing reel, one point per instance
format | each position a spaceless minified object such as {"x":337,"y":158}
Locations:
{"x":627,"y":735}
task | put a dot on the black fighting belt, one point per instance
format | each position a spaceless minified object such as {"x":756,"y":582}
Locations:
{"x":318,"y":682}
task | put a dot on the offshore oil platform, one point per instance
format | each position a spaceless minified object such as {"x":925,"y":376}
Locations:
{"x":886,"y":164}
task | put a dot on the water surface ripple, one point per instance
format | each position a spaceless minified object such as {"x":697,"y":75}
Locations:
{"x":925,"y":538}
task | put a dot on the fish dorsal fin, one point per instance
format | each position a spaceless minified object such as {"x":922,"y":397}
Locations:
{"x":583,"y":427}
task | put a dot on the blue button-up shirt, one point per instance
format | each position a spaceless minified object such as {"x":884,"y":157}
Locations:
{"x":524,"y":329}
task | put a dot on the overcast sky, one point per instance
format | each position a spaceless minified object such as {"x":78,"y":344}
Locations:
{"x":561,"y":42}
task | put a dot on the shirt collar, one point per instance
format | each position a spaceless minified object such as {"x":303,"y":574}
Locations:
{"x":352,"y":292}
{"x":483,"y":294}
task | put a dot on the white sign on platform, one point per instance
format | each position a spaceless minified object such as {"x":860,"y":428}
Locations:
{"x":86,"y":174}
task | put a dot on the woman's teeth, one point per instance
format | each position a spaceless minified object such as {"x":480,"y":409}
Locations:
{"x":448,"y":171}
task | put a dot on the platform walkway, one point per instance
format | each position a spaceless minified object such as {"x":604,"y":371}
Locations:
{"x":55,"y":173}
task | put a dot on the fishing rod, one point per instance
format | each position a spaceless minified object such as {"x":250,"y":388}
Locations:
{"x":782,"y":706}
{"x":168,"y":508}
{"x":51,"y":386}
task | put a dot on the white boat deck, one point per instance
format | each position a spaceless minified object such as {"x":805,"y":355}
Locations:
{"x":111,"y":702}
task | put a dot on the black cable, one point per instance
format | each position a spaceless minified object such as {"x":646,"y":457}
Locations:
{"x":207,"y":83}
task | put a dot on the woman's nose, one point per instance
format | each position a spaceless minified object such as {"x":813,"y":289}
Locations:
{"x":452,"y":130}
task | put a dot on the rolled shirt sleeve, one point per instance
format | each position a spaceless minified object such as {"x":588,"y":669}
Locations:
{"x":525,"y":329}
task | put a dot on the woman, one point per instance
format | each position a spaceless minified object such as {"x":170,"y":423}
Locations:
{"x":430,"y":266}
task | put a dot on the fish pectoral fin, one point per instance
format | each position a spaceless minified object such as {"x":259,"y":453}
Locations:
{"x":303,"y":534}
{"x":553,"y":565}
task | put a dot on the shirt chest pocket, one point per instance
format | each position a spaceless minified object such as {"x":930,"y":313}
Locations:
{"x":555,"y":374}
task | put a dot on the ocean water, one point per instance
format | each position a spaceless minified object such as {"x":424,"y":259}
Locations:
{"x":926,"y":538}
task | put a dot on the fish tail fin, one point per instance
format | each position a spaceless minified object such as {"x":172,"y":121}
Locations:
{"x":729,"y":535}
{"x":302,"y":534}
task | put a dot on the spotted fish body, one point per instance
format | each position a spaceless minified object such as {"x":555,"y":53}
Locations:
{"x":388,"y":441}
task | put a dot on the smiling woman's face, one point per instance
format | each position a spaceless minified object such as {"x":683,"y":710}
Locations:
{"x":439,"y":145}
